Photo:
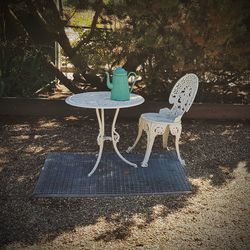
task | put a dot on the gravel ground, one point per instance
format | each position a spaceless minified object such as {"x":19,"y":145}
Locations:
{"x":215,"y":216}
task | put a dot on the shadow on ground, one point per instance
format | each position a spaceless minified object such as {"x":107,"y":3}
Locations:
{"x":212,"y":151}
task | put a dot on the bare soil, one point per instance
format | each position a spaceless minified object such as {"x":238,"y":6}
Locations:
{"x":215,"y":216}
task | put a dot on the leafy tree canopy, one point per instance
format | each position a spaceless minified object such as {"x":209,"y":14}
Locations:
{"x":161,"y":40}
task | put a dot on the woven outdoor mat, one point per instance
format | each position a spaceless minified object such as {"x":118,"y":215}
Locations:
{"x":66,"y":175}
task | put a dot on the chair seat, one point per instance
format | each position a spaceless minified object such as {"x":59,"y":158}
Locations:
{"x":159,"y":118}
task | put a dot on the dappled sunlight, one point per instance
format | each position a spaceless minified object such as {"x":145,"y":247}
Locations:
{"x":158,"y":210}
{"x":20,"y":127}
{"x":230,"y":130}
{"x":201,"y":183}
{"x":244,"y":93}
{"x":227,"y":132}
{"x":71,"y":118}
{"x":1,"y":165}
{"x":32,"y":149}
{"x":192,"y":137}
{"x":212,"y":166}
{"x":20,"y":137}
{"x":52,"y":49}
{"x":4,"y":150}
{"x":225,"y":169}
{"x":49,"y":124}
{"x":115,"y":216}
{"x":22,"y":178}
{"x":242,"y":167}
{"x":38,"y":137}
{"x":58,"y":147}
{"x":139,"y":219}
{"x":223,"y":174}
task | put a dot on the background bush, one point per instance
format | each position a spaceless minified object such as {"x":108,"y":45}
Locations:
{"x":160,"y":40}
{"x":22,"y":71}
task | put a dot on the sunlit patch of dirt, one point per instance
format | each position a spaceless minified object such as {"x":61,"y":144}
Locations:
{"x":71,"y":118}
{"x":49,"y":124}
{"x":31,"y":149}
{"x":192,"y":137}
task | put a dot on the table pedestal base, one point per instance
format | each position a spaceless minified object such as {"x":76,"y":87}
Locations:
{"x":101,"y":138}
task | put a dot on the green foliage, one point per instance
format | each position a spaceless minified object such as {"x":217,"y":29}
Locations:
{"x":177,"y":35}
{"x":79,"y":18}
{"x":161,"y":40}
{"x":21,"y":70}
{"x":164,"y":39}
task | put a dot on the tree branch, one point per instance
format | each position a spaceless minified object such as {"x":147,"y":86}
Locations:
{"x":63,"y":79}
{"x":41,"y":32}
{"x":93,"y":26}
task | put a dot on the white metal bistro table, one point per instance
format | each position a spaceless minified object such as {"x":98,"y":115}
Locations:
{"x":101,"y":101}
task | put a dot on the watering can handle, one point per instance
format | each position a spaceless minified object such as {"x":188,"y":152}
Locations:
{"x":132,"y":73}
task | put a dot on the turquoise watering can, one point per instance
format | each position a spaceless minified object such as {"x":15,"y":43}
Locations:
{"x":120,"y":90}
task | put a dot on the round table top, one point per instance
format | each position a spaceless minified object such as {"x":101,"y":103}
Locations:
{"x":101,"y":100}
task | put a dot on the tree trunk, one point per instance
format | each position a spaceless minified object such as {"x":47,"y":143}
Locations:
{"x":63,"y":79}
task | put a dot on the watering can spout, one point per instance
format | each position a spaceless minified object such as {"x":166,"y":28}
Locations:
{"x":109,"y":84}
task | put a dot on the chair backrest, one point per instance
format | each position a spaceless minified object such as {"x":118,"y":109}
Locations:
{"x":183,"y":94}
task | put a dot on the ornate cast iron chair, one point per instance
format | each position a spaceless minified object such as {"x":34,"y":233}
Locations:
{"x":182,"y":97}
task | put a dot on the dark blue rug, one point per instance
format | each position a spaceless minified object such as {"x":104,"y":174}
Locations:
{"x":66,"y":175}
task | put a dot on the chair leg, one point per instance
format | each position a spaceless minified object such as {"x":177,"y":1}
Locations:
{"x":140,"y":128}
{"x":150,"y":142}
{"x":176,"y":131}
{"x":165,"y":138}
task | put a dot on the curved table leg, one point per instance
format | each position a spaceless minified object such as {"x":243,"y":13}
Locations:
{"x":100,"y":139}
{"x":115,"y":139}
